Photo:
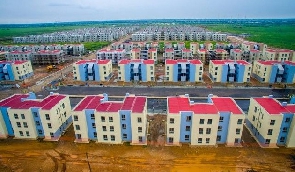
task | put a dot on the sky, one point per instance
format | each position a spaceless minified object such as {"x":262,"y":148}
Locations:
{"x":43,"y":11}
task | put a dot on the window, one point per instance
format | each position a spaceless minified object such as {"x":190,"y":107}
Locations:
{"x":171,"y":120}
{"x":282,"y":139}
{"x":112,"y":137}
{"x":167,"y":73}
{"x":171,"y":130}
{"x":139,"y":119}
{"x":167,"y":67}
{"x":63,"y":105}
{"x":199,"y":140}
{"x":267,"y":141}
{"x":219,"y":128}
{"x":218,"y":138}
{"x":23,"y":116}
{"x":200,"y":130}
{"x":40,"y":131}
{"x":95,"y":134}
{"x":272,"y":122}
{"x":105,"y":137}
{"x":186,"y":137}
{"x":170,"y":139}
{"x":253,"y":119}
{"x":238,"y":131}
{"x":49,"y":125}
{"x":216,"y":68}
{"x":207,"y":140}
{"x":27,"y":133}
{"x":93,"y":125}
{"x":77,"y":127}
{"x":47,"y":117}
{"x":103,"y":119}
{"x":123,"y":117}
{"x":25,"y":124}
{"x":187,"y":128}
{"x":15,"y":116}
{"x":21,"y":133}
{"x":287,"y":120}
{"x":140,"y":138}
{"x":237,"y":140}
{"x":75,"y":118}
{"x":124,"y":126}
{"x":124,"y":136}
{"x":255,"y":109}
{"x":208,"y":130}
{"x":139,"y":129}
{"x":209,"y":121}
{"x":112,"y":128}
{"x":104,"y":128}
{"x":188,"y":118}
{"x":202,"y":121}
{"x":221,"y":119}
{"x":92,"y":116}
{"x":110,"y":119}
{"x":18,"y":124}
{"x":285,"y":129}
{"x":240,"y":121}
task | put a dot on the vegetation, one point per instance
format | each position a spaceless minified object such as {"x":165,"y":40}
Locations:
{"x":278,"y":35}
{"x":91,"y":46}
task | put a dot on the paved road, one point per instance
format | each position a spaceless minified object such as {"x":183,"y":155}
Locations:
{"x":163,"y":92}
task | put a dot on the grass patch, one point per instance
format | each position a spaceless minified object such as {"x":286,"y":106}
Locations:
{"x":91,"y":46}
{"x":274,"y":35}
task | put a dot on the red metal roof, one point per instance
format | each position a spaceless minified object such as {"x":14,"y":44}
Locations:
{"x":273,"y":62}
{"x":186,"y":50}
{"x":109,"y":107}
{"x":254,"y":50}
{"x":290,"y":108}
{"x":225,"y":104}
{"x":271,"y":106}
{"x":93,"y":61}
{"x":237,"y":50}
{"x":152,"y":50}
{"x":135,"y":104}
{"x":13,"y":62}
{"x":15,"y":102}
{"x":170,"y":61}
{"x":89,"y":102}
{"x":136,"y":49}
{"x":137,"y":61}
{"x":221,"y":62}
{"x":169,"y":50}
{"x":220,"y":50}
{"x":203,"y":50}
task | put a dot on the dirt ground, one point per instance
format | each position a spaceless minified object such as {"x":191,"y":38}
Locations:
{"x":65,"y":155}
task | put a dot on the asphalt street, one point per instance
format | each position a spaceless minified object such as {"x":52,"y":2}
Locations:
{"x":160,"y":105}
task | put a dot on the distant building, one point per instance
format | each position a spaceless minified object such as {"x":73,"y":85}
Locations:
{"x":114,"y":122}
{"x":274,"y":71}
{"x":230,"y":71}
{"x":221,"y":54}
{"x":15,"y":70}
{"x":19,"y":55}
{"x":136,"y":70}
{"x":114,"y":55}
{"x":45,"y":57}
{"x":219,"y":121}
{"x":271,"y":123}
{"x":184,"y":70}
{"x":194,"y":47}
{"x":25,"y":117}
{"x":92,"y":70}
{"x":278,"y":54}
{"x":236,"y":54}
{"x":203,"y":55}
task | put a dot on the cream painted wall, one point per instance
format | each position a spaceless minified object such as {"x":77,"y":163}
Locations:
{"x":150,"y":72}
{"x":260,"y":69}
{"x":212,"y":71}
{"x":170,"y":75}
{"x":83,"y":125}
{"x":232,"y":126}
{"x":134,"y":127}
{"x":76,"y":72}
{"x":28,"y":119}
{"x":108,"y":70}
{"x":196,"y":125}
{"x":198,"y":74}
{"x":121,"y":72}
{"x":107,"y":123}
{"x":248,"y":69}
{"x":24,"y":68}
{"x":176,"y":126}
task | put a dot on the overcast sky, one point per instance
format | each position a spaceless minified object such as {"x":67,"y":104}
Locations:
{"x":36,"y":11}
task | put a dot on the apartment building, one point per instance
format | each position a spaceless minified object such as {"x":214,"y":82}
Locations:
{"x":219,"y":121}
{"x":183,"y":70}
{"x":136,"y":70}
{"x":230,"y":71}
{"x":219,"y":37}
{"x":25,"y":117}
{"x":194,"y":47}
{"x":274,"y":71}
{"x":203,"y":55}
{"x":235,"y":54}
{"x":270,"y":122}
{"x":114,"y":55}
{"x":44,"y":57}
{"x":15,"y":70}
{"x":247,"y":46}
{"x":169,"y":53}
{"x":18,"y":55}
{"x":95,"y":118}
{"x":278,"y":54}
{"x":92,"y":70}
{"x":220,"y":54}
{"x":186,"y":54}
{"x":254,"y":55}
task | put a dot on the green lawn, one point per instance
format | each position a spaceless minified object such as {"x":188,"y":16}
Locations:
{"x":274,"y":35}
